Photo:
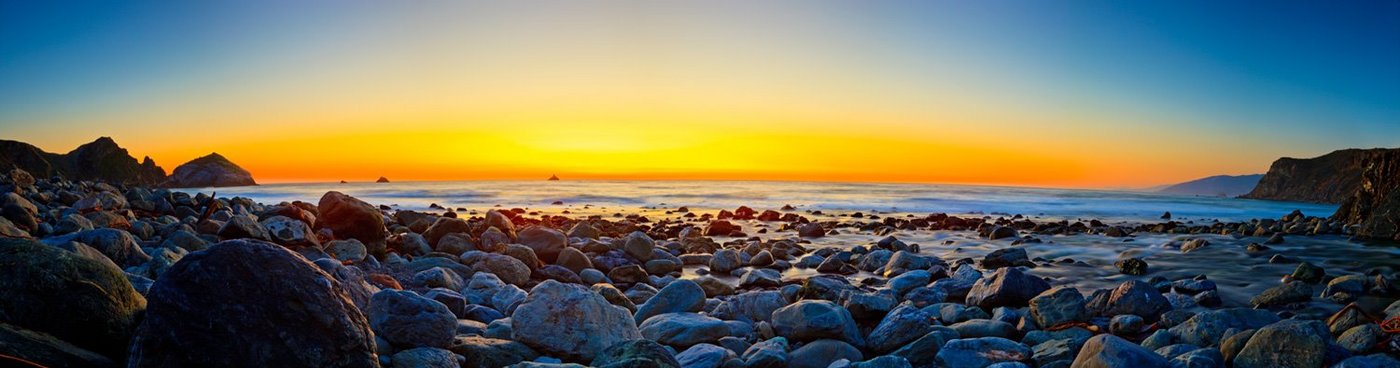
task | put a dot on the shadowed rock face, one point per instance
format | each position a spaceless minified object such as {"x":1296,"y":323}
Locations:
{"x":249,"y":303}
{"x":212,"y":170}
{"x":1375,"y":205}
{"x":100,"y":160}
{"x":83,"y":301}
{"x":1329,"y":178}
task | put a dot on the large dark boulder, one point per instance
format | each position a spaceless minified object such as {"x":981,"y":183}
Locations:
{"x":249,"y":303}
{"x":79,"y":300}
{"x":45,"y":350}
{"x":351,"y":218}
{"x":212,"y":170}
{"x":571,"y":322}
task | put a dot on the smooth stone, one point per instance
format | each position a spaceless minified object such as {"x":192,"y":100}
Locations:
{"x":1007,"y":287}
{"x":821,"y":353}
{"x":570,"y":321}
{"x":678,"y":296}
{"x":409,"y":320}
{"x":809,"y":320}
{"x":1108,"y":351}
{"x":682,"y":330}
{"x":1287,"y":343}
{"x":981,"y":352}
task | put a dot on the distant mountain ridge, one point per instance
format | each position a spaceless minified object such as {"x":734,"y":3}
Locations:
{"x":104,"y":160}
{"x":1330,"y":178}
{"x":1216,"y":186}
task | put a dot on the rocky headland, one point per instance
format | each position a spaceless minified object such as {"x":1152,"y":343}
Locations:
{"x":1330,"y":178}
{"x":104,"y":275}
{"x":104,"y":161}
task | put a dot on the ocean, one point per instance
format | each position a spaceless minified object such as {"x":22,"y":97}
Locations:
{"x":828,"y":197}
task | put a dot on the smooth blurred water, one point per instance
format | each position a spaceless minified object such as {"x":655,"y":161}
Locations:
{"x":897,"y":198}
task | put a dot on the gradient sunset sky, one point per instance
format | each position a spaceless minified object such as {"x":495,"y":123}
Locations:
{"x":1041,"y":93}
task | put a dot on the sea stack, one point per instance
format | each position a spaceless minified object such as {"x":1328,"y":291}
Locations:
{"x":212,"y":170}
{"x":554,"y":178}
{"x":382,"y":180}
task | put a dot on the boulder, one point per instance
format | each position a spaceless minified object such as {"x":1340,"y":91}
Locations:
{"x":705,"y":356}
{"x":351,"y":218}
{"x":678,"y":296}
{"x":1007,"y":287}
{"x":408,"y":320}
{"x":981,"y":352}
{"x":485,"y":352}
{"x":45,"y":350}
{"x":570,"y":322}
{"x":443,"y":226}
{"x":290,"y":232}
{"x":681,"y":330}
{"x":424,"y":357}
{"x":82,"y":301}
{"x":227,"y":286}
{"x":809,"y":320}
{"x":724,"y":260}
{"x":822,"y":353}
{"x":1137,"y":298}
{"x":1058,"y":306}
{"x":1108,"y":351}
{"x":508,"y":269}
{"x":901,"y":326}
{"x":1208,"y":328}
{"x":1287,"y":343}
{"x":116,"y":244}
{"x":546,"y":242}
{"x":638,"y":245}
{"x":635,"y":353}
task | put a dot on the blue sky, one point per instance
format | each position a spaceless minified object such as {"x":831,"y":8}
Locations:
{"x":1176,"y":84}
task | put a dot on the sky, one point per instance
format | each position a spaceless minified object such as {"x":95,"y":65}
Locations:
{"x":1092,"y":94}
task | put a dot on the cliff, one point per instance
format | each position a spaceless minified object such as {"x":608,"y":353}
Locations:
{"x":212,"y":170}
{"x":1330,"y":178}
{"x":1219,"y":186}
{"x":100,"y":160}
{"x":1375,"y":205}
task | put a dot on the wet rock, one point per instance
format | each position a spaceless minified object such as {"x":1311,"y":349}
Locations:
{"x":635,"y":353}
{"x":1208,"y":328}
{"x":864,"y":306}
{"x":1307,"y":272}
{"x":408,"y":320}
{"x":724,"y":260}
{"x":570,"y":322}
{"x":225,"y":286}
{"x":290,"y":232}
{"x":721,"y":228}
{"x":546,"y":242}
{"x":1368,"y":361}
{"x":678,"y":296}
{"x":1001,"y":232}
{"x":771,"y":353}
{"x":1007,"y":287}
{"x":483,"y":352}
{"x":682,"y":330}
{"x":821,"y":353}
{"x":1288,"y":343}
{"x":1361,"y":339}
{"x":705,"y":356}
{"x":1125,"y":325}
{"x":1194,"y":245}
{"x":760,"y":278}
{"x":1107,"y":351}
{"x":809,"y":320}
{"x":424,"y":357}
{"x":753,"y":306}
{"x":714,"y":287}
{"x":508,"y":269}
{"x":638,"y":245}
{"x":1199,"y":358}
{"x":584,"y":230}
{"x":922,"y":352}
{"x":574,"y":260}
{"x":1131,"y":266}
{"x":351,"y":218}
{"x":982,"y":352}
{"x":1283,"y":294}
{"x":1058,"y":306}
{"x":45,"y":350}
{"x":1006,"y":257}
{"x":349,"y":250}
{"x":901,"y":326}
{"x":1137,"y":298}
{"x":116,"y":244}
{"x":499,"y":221}
{"x":443,"y":226}
{"x":628,"y":274}
{"x":86,"y":302}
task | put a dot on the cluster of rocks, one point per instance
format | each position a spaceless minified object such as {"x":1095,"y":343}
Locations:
{"x":101,"y":275}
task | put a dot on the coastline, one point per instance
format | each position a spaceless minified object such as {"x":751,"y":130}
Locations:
{"x":481,"y":269}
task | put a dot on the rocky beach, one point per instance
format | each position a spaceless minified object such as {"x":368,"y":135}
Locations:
{"x":103,"y":275}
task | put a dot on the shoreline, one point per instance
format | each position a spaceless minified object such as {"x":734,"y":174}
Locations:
{"x":675,"y":284}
